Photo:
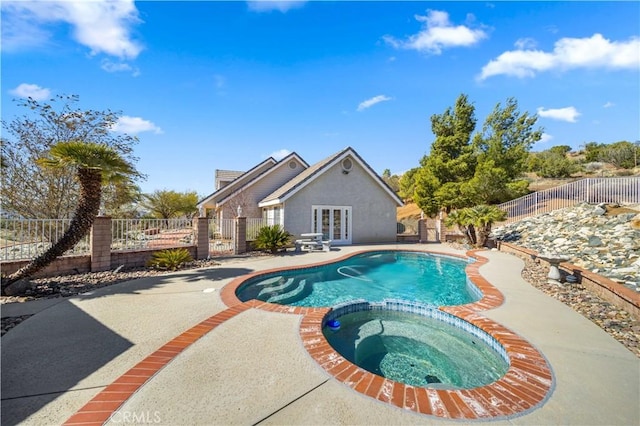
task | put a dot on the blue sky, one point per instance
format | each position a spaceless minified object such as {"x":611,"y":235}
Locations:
{"x":223,"y":85}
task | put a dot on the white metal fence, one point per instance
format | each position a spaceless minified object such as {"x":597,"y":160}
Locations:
{"x":253,"y":227}
{"x":222,"y":233}
{"x":27,"y":238}
{"x":621,"y":190}
{"x":137,"y":234}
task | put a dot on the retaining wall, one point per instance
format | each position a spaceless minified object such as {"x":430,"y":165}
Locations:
{"x":609,"y":290}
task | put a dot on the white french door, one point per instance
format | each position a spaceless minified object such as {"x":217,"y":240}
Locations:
{"x":334,"y":222}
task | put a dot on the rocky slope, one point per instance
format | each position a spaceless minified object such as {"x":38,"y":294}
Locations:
{"x":604,"y":239}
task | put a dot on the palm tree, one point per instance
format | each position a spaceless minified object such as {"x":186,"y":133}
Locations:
{"x":483,"y":217}
{"x":462,"y":220}
{"x":94,"y":164}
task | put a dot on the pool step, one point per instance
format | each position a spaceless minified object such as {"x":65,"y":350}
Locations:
{"x":282,"y":284}
{"x":290,"y":296}
{"x":270,"y":281}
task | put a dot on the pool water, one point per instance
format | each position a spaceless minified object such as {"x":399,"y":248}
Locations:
{"x":416,"y":350}
{"x":372,"y":276}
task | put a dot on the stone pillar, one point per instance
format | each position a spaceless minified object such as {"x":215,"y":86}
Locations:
{"x":201,"y":230}
{"x":423,"y":237}
{"x":240,"y":237}
{"x":100,"y":244}
{"x":440,"y":229}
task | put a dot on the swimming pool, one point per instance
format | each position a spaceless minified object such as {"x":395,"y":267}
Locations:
{"x":415,"y":344}
{"x":373,"y":276}
{"x":526,"y":384}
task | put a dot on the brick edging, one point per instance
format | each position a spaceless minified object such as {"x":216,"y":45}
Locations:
{"x":609,"y":290}
{"x":102,"y":406}
{"x":526,"y":384}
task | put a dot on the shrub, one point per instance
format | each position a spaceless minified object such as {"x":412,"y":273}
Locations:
{"x":170,"y":259}
{"x":272,"y":238}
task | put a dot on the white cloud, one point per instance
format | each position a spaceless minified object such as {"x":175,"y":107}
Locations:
{"x":268,"y":6}
{"x":545,"y":138}
{"x":437,"y":34}
{"x":103,"y":26}
{"x":135,"y":125}
{"x":279,"y":154}
{"x":371,"y":102}
{"x":33,"y":91}
{"x":568,"y":53}
{"x":110,"y":66}
{"x":525,"y":43}
{"x":608,"y":105}
{"x":569,"y":114}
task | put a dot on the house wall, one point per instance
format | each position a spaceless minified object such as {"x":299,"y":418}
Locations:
{"x":373,"y":210}
{"x":251,"y":196}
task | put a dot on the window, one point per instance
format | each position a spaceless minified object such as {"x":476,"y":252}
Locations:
{"x":273,"y":216}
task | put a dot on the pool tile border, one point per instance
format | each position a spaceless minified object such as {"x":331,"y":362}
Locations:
{"x":526,"y":385}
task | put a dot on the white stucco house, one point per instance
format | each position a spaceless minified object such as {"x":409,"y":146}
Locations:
{"x":341,"y":197}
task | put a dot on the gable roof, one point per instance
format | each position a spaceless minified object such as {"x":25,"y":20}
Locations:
{"x":283,"y":162}
{"x":226,"y":176}
{"x":281,"y":194}
{"x":238,"y":182}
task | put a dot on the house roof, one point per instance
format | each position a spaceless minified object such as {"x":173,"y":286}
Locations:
{"x":226,"y":176}
{"x":281,"y":163}
{"x":281,"y":194}
{"x":237,"y":183}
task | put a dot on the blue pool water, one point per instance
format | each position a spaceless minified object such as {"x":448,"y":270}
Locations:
{"x":372,"y":276}
{"x":416,"y":350}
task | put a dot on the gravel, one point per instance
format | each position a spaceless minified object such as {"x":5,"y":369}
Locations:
{"x":615,"y":321}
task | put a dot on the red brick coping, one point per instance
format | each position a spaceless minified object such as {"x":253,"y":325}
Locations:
{"x":526,"y":384}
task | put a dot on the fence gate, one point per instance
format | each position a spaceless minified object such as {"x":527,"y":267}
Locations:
{"x":221,"y":236}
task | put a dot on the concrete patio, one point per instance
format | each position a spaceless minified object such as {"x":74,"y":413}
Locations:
{"x":253,"y":368}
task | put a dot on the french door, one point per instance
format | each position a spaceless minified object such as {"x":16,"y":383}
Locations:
{"x":334,"y":222}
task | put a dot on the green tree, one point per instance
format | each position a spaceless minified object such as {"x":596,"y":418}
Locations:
{"x":121,"y":200}
{"x":93,"y":164}
{"x":461,"y":219}
{"x":592,"y":151}
{"x":476,"y":222}
{"x":489,"y":185}
{"x":458,"y":173}
{"x":34,"y":192}
{"x":165,"y":204}
{"x":392,"y":180}
{"x":408,"y":184}
{"x":451,"y":160}
{"x":507,"y":137}
{"x":552,"y":163}
{"x":620,"y":154}
{"x":560,"y":149}
{"x":483,"y":217}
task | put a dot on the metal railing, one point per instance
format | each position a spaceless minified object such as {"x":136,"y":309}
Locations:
{"x":253,"y":227}
{"x":137,"y":234}
{"x":621,"y":190}
{"x":22,"y":239}
{"x":221,"y":235}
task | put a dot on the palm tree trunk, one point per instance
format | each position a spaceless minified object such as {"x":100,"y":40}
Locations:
{"x":86,"y":212}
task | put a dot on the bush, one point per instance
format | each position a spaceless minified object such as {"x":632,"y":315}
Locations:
{"x":272,"y":238}
{"x":170,"y":259}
